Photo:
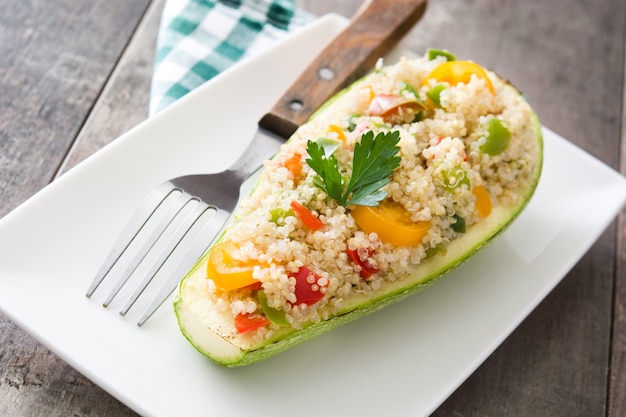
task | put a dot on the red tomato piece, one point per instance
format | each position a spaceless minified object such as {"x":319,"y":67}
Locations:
{"x":307,"y":217}
{"x":367,"y":266}
{"x":310,"y":287}
{"x":246,"y":322}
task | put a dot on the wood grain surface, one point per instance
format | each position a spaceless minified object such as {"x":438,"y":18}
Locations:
{"x":75,"y":74}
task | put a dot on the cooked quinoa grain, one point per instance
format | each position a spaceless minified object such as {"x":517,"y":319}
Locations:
{"x":447,"y":155}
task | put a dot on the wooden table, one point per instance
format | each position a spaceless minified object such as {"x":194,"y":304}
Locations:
{"x":75,"y":74}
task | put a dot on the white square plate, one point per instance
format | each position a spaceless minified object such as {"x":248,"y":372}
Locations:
{"x":409,"y":354}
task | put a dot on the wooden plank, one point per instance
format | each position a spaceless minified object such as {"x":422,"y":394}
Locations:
{"x":124,"y":102}
{"x":56,"y":57}
{"x":617,"y":372}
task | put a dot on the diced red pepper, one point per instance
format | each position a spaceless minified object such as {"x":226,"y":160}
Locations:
{"x":307,"y":217}
{"x":310,"y":287}
{"x":367,"y":266}
{"x":246,"y":322}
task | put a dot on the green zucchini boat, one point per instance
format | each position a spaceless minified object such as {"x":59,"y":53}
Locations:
{"x":393,"y":183}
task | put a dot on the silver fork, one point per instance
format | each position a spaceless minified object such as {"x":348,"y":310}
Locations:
{"x":221,"y":190}
{"x":204,"y":203}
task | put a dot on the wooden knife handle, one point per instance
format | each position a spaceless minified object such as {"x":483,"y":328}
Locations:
{"x":374,"y":30}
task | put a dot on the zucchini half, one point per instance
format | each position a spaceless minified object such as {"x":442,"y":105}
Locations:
{"x":205,"y":326}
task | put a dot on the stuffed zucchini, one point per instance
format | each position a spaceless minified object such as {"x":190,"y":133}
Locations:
{"x":393,"y":183}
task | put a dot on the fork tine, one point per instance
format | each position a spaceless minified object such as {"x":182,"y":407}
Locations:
{"x":149,"y":243}
{"x":207,"y":235}
{"x":181,"y":232}
{"x":130,"y":232}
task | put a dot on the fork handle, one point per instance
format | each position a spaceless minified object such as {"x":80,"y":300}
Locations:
{"x":375,"y":29}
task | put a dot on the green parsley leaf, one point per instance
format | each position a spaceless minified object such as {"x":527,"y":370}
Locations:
{"x":374,"y":160}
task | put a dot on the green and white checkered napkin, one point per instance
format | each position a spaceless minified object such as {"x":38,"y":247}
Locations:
{"x":198,"y":39}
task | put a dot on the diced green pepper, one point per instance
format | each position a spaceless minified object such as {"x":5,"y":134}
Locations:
{"x":434,"y":93}
{"x":351,"y":124}
{"x":498,"y":138}
{"x":434,"y":53}
{"x":454,"y":178}
{"x":408,"y":87}
{"x":274,"y":315}
{"x":440,"y":249}
{"x":278,"y":213}
{"x":459,"y":225}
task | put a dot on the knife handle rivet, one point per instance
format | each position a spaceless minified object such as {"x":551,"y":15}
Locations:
{"x":326,"y":73}
{"x":296,"y":105}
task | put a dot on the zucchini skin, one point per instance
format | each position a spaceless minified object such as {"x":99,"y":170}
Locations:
{"x":430,"y":270}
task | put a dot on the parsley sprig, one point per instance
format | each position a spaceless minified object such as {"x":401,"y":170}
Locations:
{"x":374,"y":160}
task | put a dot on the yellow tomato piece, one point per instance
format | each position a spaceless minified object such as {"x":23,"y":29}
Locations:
{"x":229,"y":273}
{"x":339,"y":131}
{"x":454,"y":72}
{"x":391,"y":222}
{"x":483,"y":201}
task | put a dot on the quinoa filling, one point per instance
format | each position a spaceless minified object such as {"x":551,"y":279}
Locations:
{"x":295,"y":255}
